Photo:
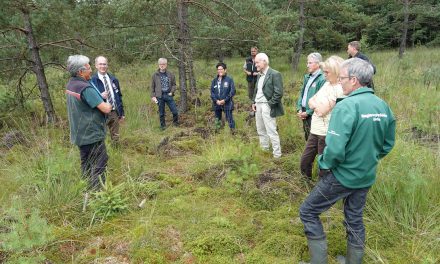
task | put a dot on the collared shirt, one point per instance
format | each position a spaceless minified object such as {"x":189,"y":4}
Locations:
{"x":110,"y":86}
{"x":306,"y":89}
{"x":260,"y":98}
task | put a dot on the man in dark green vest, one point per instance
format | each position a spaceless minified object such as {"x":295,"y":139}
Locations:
{"x":86,"y":111}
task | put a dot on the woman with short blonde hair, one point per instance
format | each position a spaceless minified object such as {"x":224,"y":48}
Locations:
{"x":322,"y":104}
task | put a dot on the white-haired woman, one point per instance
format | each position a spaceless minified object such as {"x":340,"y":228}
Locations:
{"x":322,"y":104}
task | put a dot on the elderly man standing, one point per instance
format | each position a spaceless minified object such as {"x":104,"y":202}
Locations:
{"x":361,"y":131}
{"x":86,"y":111}
{"x":267,"y":104}
{"x":163,"y":86}
{"x":110,"y":90}
{"x":313,"y":81}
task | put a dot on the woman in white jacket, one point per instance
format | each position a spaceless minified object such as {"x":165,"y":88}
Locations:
{"x":322,"y":104}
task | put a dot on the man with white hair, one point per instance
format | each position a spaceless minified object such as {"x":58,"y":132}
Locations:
{"x":163,"y":87}
{"x":267,"y":104}
{"x":313,"y":81}
{"x":110,"y":90}
{"x":86,"y":111}
{"x":361,"y":131}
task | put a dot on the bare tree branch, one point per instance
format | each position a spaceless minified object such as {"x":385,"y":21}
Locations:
{"x":55,"y":64}
{"x":171,"y":53}
{"x":136,"y":26}
{"x":13,"y":28}
{"x":226,"y":39}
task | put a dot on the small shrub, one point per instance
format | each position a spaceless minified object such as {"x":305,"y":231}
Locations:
{"x":24,"y":233}
{"x":215,"y":244}
{"x":109,"y":201}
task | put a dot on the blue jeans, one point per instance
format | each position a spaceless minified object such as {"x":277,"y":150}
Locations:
{"x":169,"y":100}
{"x":229,"y":117}
{"x":325,"y":194}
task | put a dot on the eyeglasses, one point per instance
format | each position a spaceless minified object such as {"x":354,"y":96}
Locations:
{"x":340,"y":78}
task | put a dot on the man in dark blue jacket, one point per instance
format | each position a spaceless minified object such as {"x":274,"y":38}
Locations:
{"x":222,"y":92}
{"x":108,"y":86}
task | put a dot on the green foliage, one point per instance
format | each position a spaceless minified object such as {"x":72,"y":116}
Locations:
{"x":25,"y":232}
{"x":216,"y":244}
{"x":109,"y":202}
{"x":228,"y":201}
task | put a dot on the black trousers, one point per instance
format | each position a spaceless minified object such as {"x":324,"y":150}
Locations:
{"x":307,"y":124}
{"x":93,"y":163}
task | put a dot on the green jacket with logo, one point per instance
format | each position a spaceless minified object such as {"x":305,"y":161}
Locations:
{"x":361,"y":131}
{"x":317,"y":83}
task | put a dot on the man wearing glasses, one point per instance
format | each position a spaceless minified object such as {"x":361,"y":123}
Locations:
{"x":361,"y":131}
{"x":86,"y":111}
{"x":110,"y":90}
{"x":313,"y":81}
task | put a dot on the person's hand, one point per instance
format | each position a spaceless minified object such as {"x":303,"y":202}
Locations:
{"x":222,"y":102}
{"x":154,"y":99}
{"x":254,"y":107}
{"x":122,"y":120}
{"x":170,"y":94}
{"x":104,"y":95}
{"x":255,"y":73}
{"x":303,"y":115}
{"x":248,"y":73}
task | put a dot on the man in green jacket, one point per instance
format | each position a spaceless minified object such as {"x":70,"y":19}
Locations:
{"x":313,"y":81}
{"x":267,"y":104}
{"x":361,"y":131}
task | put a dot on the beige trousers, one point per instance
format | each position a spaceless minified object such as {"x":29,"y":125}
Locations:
{"x":267,"y":129}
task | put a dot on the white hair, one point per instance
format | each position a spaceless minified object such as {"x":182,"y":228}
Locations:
{"x":263,"y":57}
{"x":315,"y":56}
{"x":360,"y":69}
{"x":76,"y":63}
{"x":162,"y":60}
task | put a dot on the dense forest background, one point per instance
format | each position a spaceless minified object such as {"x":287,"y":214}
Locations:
{"x":42,"y":33}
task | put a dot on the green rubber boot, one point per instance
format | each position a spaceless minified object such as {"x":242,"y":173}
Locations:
{"x":318,"y":251}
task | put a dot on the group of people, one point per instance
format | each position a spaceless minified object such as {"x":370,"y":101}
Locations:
{"x":343,"y":121}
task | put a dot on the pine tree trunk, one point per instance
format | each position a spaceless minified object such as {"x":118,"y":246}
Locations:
{"x":404,"y":28}
{"x":38,"y":68}
{"x":299,"y":45}
{"x":182,"y":18}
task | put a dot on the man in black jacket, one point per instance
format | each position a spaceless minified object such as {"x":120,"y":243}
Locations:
{"x":251,"y":72}
{"x":354,"y":51}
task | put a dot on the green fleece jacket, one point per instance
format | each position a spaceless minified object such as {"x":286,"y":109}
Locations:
{"x":317,"y":83}
{"x":361,"y":131}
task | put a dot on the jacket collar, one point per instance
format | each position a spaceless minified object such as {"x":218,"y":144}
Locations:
{"x":358,"y":91}
{"x":361,"y":90}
